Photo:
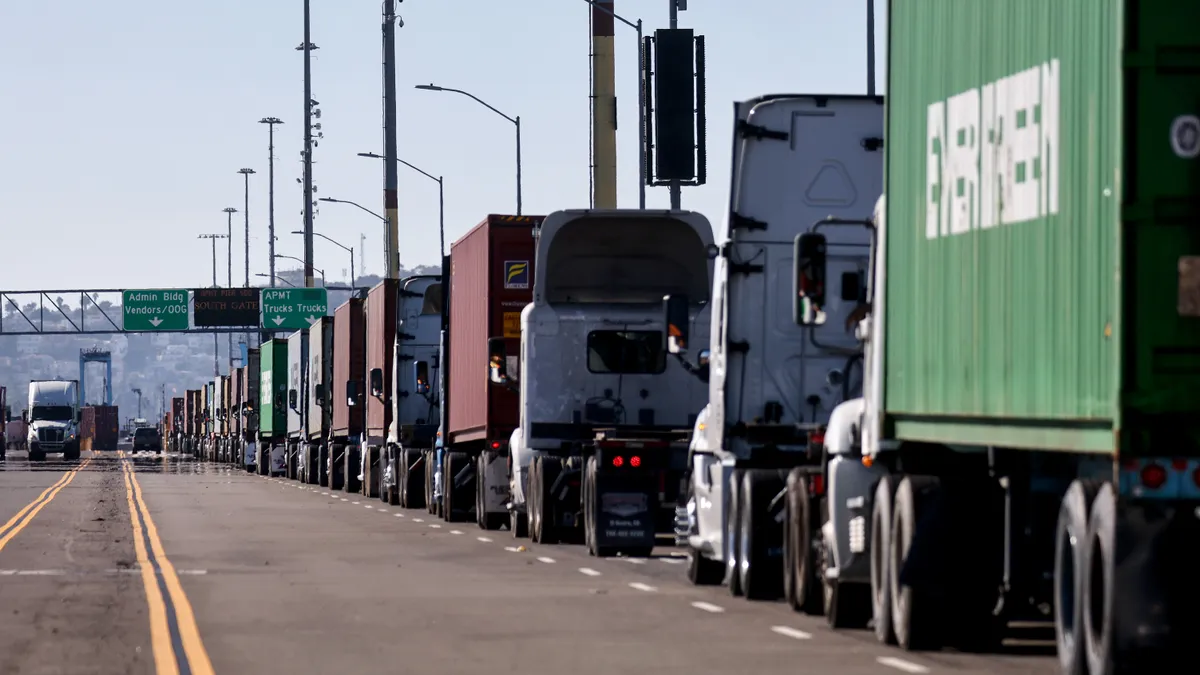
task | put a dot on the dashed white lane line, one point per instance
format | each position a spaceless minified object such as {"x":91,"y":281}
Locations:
{"x":794,"y":633}
{"x":512,"y":549}
{"x":548,"y":561}
{"x":639,"y":586}
{"x":589,"y":571}
{"x":368,"y":506}
{"x":635,"y":561}
{"x":708,"y":607}
{"x":354,"y":503}
{"x":435,"y":526}
{"x":399,"y":515}
{"x":346,"y":500}
{"x":484,"y":540}
{"x":901,"y":664}
{"x":456,"y":531}
{"x":418,"y":520}
{"x":673,"y":561}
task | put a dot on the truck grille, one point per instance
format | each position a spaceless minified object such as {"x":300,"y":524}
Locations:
{"x":50,"y":435}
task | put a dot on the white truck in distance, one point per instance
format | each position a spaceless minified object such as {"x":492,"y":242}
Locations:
{"x":605,"y":417}
{"x":54,"y":417}
{"x":756,"y":455}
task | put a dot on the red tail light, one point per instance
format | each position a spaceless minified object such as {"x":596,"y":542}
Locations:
{"x":817,"y":438}
{"x":1154,"y":476}
{"x":495,"y":445}
{"x":635,"y":461}
{"x":618,"y":461}
{"x":818,"y":484}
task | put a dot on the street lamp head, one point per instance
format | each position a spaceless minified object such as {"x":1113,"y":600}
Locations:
{"x":429,"y":87}
{"x":270,"y":120}
{"x":329,"y":199}
{"x":370,"y":154}
{"x":229,"y":209}
{"x":246,"y":171}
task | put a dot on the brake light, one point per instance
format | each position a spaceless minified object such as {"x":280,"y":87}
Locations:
{"x":618,"y":461}
{"x":817,"y":438}
{"x":1154,"y":476}
{"x":495,"y":445}
{"x":1179,"y":464}
{"x":818,"y":484}
{"x":635,"y":461}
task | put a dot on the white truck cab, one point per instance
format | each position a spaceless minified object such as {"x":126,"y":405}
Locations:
{"x":54,"y":417}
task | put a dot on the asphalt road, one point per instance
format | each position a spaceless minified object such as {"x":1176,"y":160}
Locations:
{"x":157,"y":564}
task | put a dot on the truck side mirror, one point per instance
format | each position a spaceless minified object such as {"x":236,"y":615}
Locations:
{"x":377,"y":382}
{"x":352,"y":393}
{"x":497,"y":360}
{"x":675,"y":315}
{"x":293,"y":399}
{"x":702,"y":357}
{"x":808,"y":287}
{"x":319,"y":394}
{"x":421,"y":377}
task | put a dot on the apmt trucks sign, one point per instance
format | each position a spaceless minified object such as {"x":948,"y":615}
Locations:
{"x":154,"y":310}
{"x":293,"y":308}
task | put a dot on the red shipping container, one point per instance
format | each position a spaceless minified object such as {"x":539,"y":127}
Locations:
{"x":348,"y":365}
{"x":99,"y":429}
{"x":381,"y":339}
{"x":491,"y":281}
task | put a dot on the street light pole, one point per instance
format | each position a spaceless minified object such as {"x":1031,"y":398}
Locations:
{"x":344,"y":248}
{"x":441,"y":195}
{"x":390,"y":180}
{"x":515,"y":120}
{"x":285,"y":281}
{"x":271,"y":122}
{"x":246,"y":213}
{"x":229,"y":211}
{"x":307,"y":47}
{"x":216,"y":348}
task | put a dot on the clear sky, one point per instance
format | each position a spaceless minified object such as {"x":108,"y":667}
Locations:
{"x":123,"y":123}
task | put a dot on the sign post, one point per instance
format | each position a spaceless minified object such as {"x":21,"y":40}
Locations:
{"x":155,"y":310}
{"x":293,"y":309}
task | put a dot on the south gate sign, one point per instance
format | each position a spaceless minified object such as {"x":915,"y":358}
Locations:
{"x":293,"y":308}
{"x":155,"y":310}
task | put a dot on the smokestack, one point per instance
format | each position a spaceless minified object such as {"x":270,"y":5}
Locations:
{"x":604,"y":107}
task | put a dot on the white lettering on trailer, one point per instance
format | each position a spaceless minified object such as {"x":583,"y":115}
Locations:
{"x":993,"y":154}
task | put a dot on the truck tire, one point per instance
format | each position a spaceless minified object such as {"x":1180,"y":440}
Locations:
{"x":389,"y":458}
{"x":37,"y":455}
{"x":453,"y":463}
{"x":589,"y":512}
{"x":701,"y":571}
{"x":350,"y":468}
{"x":71,"y":453}
{"x":802,"y":587}
{"x":916,"y":618}
{"x":1070,"y":555}
{"x":760,"y":573}
{"x":412,"y":477}
{"x":1099,"y":571}
{"x":323,"y":465}
{"x":430,"y":475}
{"x":337,"y":462}
{"x":880,"y":554}
{"x":729,"y":538}
{"x":547,"y":470}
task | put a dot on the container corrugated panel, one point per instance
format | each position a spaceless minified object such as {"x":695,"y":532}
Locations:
{"x":177,"y":406}
{"x":272,"y":420}
{"x":205,"y":411}
{"x":1011,"y":156}
{"x":235,"y":408}
{"x":381,"y":337}
{"x":320,"y":372}
{"x":491,"y":281}
{"x":250,"y":389}
{"x":226,"y":404}
{"x":349,"y":352}
{"x":295,"y":382}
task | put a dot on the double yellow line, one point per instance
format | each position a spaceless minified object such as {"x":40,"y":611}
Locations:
{"x":18,"y":522}
{"x":173,"y":630}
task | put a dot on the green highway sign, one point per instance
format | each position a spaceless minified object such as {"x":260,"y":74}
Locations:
{"x":293,"y":308}
{"x":155,"y":309}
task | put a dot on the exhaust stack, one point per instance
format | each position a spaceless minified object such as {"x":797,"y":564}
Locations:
{"x":604,"y":107}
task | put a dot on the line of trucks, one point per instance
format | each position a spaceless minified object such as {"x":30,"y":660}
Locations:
{"x":972,"y":402}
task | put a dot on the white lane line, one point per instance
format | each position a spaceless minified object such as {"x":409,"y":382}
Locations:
{"x":418,"y":520}
{"x":548,"y":561}
{"x":484,"y":540}
{"x":456,"y":532}
{"x":788,"y":631}
{"x":673,"y":561}
{"x":708,"y":607}
{"x":354,"y":503}
{"x":368,"y":506}
{"x":399,"y":515}
{"x":41,"y":573}
{"x":435,"y":526}
{"x":635,"y":561}
{"x":346,"y":500}
{"x":637,"y":585}
{"x":901,"y":664}
{"x":512,"y":549}
{"x":589,"y":571}
{"x":197,"y":573}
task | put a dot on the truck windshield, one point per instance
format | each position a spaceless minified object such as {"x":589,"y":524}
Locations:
{"x":51,"y":413}
{"x":626,"y":352}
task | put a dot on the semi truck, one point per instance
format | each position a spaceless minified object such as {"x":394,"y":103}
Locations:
{"x":413,"y":400}
{"x":604,"y":418}
{"x":490,"y":280}
{"x":297,"y":356}
{"x":319,"y":400}
{"x":272,"y":407}
{"x":1028,"y":431}
{"x":249,"y":409}
{"x":772,"y":386}
{"x":54,"y":417}
{"x":380,"y":312}
{"x":348,"y":393}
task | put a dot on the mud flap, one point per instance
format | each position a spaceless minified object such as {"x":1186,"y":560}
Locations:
{"x":496,"y":485}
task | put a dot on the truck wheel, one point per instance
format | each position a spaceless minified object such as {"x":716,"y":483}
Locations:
{"x":413,"y":494}
{"x":452,"y":464}
{"x":915,"y":614}
{"x":37,"y":456}
{"x":323,"y":465}
{"x":1069,"y":572}
{"x":350,"y":467}
{"x":430,"y":473}
{"x":548,"y":529}
{"x":759,"y":534}
{"x":701,"y":571}
{"x":880,"y":552}
{"x":1098,"y":572}
{"x":589,"y":512}
{"x":802,"y":587}
{"x":730,"y":536}
{"x":389,"y":458}
{"x":71,"y":453}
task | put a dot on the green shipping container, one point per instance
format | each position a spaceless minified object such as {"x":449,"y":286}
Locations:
{"x":272,"y":390}
{"x":1043,"y":284}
